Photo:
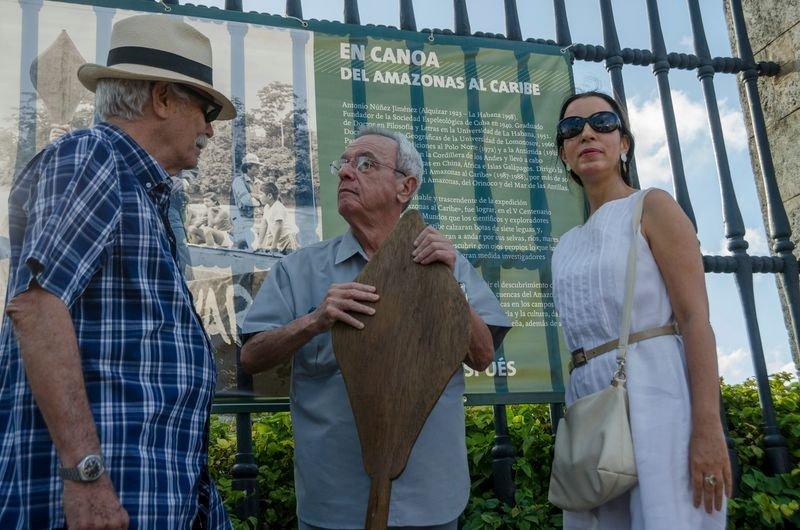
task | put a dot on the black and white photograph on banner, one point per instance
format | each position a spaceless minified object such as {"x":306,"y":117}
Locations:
{"x":253,"y":197}
{"x":251,"y":206}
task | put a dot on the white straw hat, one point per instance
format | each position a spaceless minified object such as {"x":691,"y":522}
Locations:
{"x":158,"y":48}
{"x":251,"y":159}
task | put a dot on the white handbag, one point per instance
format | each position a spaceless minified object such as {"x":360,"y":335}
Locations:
{"x":593,"y":461}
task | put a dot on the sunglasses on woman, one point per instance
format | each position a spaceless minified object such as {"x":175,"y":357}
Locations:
{"x":603,"y":122}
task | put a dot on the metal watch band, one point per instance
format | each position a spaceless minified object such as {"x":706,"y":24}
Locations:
{"x":90,"y":468}
{"x":69,"y":473}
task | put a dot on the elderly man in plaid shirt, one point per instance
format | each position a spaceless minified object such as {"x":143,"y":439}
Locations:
{"x":107,"y":376}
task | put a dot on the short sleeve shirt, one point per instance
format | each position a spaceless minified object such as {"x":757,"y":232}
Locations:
{"x":88,"y":222}
{"x":331,"y":485}
{"x":278,"y":212}
{"x":242,"y":193}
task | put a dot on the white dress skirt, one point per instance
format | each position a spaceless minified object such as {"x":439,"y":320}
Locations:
{"x":589,"y":265}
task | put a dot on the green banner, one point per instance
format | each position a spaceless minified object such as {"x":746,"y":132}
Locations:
{"x":483,"y":118}
{"x":482,"y":113}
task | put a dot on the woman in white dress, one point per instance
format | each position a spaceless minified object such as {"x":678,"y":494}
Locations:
{"x":673,"y":383}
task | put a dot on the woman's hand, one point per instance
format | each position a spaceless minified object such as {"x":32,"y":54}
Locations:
{"x":708,"y":457}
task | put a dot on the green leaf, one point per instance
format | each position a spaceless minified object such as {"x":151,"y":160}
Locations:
{"x":766,"y":502}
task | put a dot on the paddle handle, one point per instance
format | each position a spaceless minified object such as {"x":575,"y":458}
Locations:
{"x":378,"y":508}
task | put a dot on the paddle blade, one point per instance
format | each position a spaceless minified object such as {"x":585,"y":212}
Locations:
{"x":397,"y":367}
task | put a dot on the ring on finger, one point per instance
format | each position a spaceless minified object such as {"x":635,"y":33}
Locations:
{"x":710,"y":480}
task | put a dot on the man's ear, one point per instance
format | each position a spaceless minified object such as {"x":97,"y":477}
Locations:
{"x":406,"y":188}
{"x":160,"y":99}
{"x":561,"y":154}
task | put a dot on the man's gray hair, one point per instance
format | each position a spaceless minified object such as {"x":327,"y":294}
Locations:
{"x":125,"y":98}
{"x":408,"y":160}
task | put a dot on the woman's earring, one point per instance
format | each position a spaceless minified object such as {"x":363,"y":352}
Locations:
{"x":624,"y":157}
{"x":568,"y":168}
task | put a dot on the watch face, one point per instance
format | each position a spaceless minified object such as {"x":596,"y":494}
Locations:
{"x":91,"y":468}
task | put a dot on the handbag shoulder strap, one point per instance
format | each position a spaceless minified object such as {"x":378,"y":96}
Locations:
{"x":630,"y":278}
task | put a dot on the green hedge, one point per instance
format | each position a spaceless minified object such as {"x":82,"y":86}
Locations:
{"x":763,"y":501}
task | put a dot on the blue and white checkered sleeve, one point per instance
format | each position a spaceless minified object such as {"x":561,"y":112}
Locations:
{"x":73,"y":212}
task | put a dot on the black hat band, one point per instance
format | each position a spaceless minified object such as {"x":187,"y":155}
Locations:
{"x":160,"y":59}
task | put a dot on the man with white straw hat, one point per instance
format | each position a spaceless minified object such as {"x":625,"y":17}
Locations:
{"x":107,"y":374}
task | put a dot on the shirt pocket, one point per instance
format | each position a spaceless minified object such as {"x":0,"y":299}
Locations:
{"x":315,"y":358}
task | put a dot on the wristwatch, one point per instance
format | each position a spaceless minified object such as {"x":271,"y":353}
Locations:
{"x":88,"y":469}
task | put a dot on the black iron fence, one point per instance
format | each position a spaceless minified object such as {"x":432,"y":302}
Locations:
{"x":743,"y":266}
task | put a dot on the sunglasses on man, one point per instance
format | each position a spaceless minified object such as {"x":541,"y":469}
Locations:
{"x":211,"y":109}
{"x":603,"y":122}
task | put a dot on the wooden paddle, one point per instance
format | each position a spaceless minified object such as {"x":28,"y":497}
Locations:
{"x":396,"y":368}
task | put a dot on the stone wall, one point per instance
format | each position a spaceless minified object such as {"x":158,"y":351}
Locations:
{"x":774,"y":30}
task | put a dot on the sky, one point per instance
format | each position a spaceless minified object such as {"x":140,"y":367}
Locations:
{"x":537,"y":21}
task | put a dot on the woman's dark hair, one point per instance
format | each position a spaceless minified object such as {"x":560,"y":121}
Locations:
{"x":624,"y":130}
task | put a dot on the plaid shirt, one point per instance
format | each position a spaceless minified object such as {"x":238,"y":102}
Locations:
{"x":88,"y":223}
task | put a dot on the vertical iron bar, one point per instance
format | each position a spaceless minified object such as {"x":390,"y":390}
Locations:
{"x":105,"y":18}
{"x":426,"y":193}
{"x":407,"y":20}
{"x":513,"y":30}
{"x":305,"y":201}
{"x":351,"y":12}
{"x":556,"y":413}
{"x":232,"y":5}
{"x":239,"y":125}
{"x":614,"y":66}
{"x":780,"y":231}
{"x":102,"y":41}
{"x":775,"y":444}
{"x":359,"y":89}
{"x":487,"y":225}
{"x":461,"y":18}
{"x":29,"y":49}
{"x":542,"y":223}
{"x":661,"y":71}
{"x":503,"y":458}
{"x":736,"y":469}
{"x":503,"y":451}
{"x":563,"y":37}
{"x":294,"y":8}
{"x":245,"y":471}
